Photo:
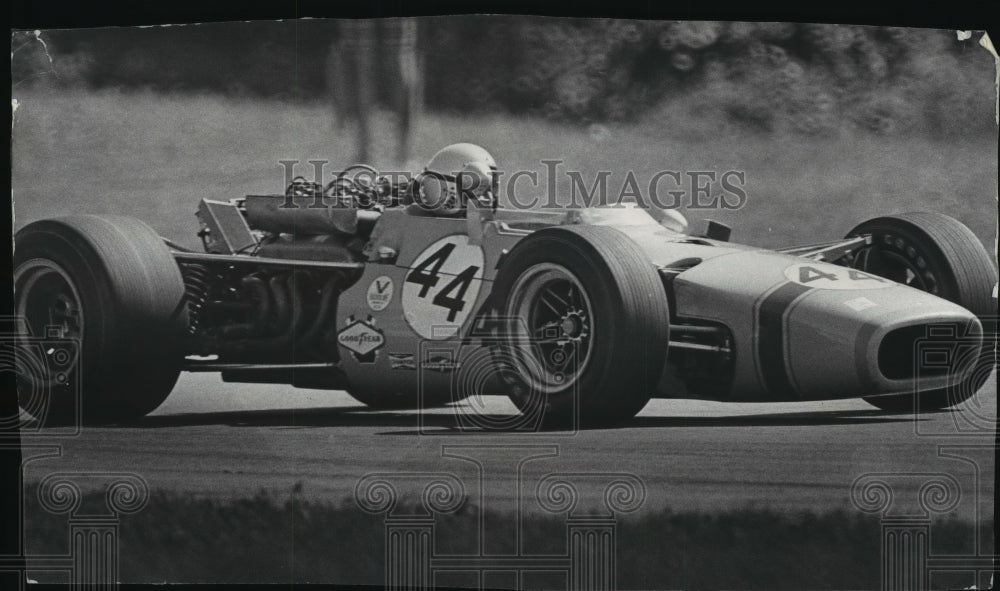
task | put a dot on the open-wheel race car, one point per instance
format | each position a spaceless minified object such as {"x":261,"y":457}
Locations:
{"x":421,"y":292}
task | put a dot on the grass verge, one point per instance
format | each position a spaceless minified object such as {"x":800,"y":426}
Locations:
{"x":182,"y":538}
{"x":154,"y":156}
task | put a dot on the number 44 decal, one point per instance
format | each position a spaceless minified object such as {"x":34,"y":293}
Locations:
{"x":441,"y":287}
{"x":809,"y":274}
{"x":825,"y":276}
{"x":427,"y":274}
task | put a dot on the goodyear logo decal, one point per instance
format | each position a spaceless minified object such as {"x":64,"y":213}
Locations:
{"x":362,"y":338}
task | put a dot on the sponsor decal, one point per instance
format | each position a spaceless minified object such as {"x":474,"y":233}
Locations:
{"x":859,"y":304}
{"x":826,"y":276}
{"x":441,"y":287}
{"x":362,"y":339}
{"x":380,"y":293}
{"x":402,"y":361}
{"x":438,"y":362}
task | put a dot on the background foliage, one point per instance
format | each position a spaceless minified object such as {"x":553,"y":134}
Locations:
{"x":803,"y":79}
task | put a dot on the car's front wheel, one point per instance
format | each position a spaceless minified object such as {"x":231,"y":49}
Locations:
{"x":937,"y":254}
{"x":582,"y":325}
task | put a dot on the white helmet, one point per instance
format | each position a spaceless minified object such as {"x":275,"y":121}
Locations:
{"x":438,"y":190}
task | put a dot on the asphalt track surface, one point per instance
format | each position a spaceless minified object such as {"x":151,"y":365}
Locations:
{"x":228,"y":441}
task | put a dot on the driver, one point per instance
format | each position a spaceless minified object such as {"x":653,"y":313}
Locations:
{"x":454,"y":175}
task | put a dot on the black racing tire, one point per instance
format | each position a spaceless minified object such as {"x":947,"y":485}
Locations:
{"x":124,"y":300}
{"x":940,"y":255}
{"x":595,"y":357}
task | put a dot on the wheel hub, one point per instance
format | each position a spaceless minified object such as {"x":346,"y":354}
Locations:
{"x":64,"y":313}
{"x":557,"y":317}
{"x":50,"y":305}
{"x":573,"y":325}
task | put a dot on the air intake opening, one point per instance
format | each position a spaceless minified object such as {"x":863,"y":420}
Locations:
{"x":925,"y":349}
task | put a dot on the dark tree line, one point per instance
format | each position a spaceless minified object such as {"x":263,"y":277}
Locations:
{"x":769,"y":76}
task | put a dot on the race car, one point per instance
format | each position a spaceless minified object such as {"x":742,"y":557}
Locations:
{"x":421,"y":292}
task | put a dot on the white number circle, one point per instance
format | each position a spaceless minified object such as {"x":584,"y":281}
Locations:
{"x":441,"y":287}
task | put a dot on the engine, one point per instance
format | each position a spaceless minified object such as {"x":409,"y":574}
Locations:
{"x":264,"y":294}
{"x":261,"y":315}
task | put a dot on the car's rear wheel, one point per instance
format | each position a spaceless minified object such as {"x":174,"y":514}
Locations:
{"x":940,"y":255}
{"x":582,"y":325}
{"x":107,"y":286}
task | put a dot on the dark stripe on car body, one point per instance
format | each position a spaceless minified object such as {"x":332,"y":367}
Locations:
{"x":771,"y":339}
